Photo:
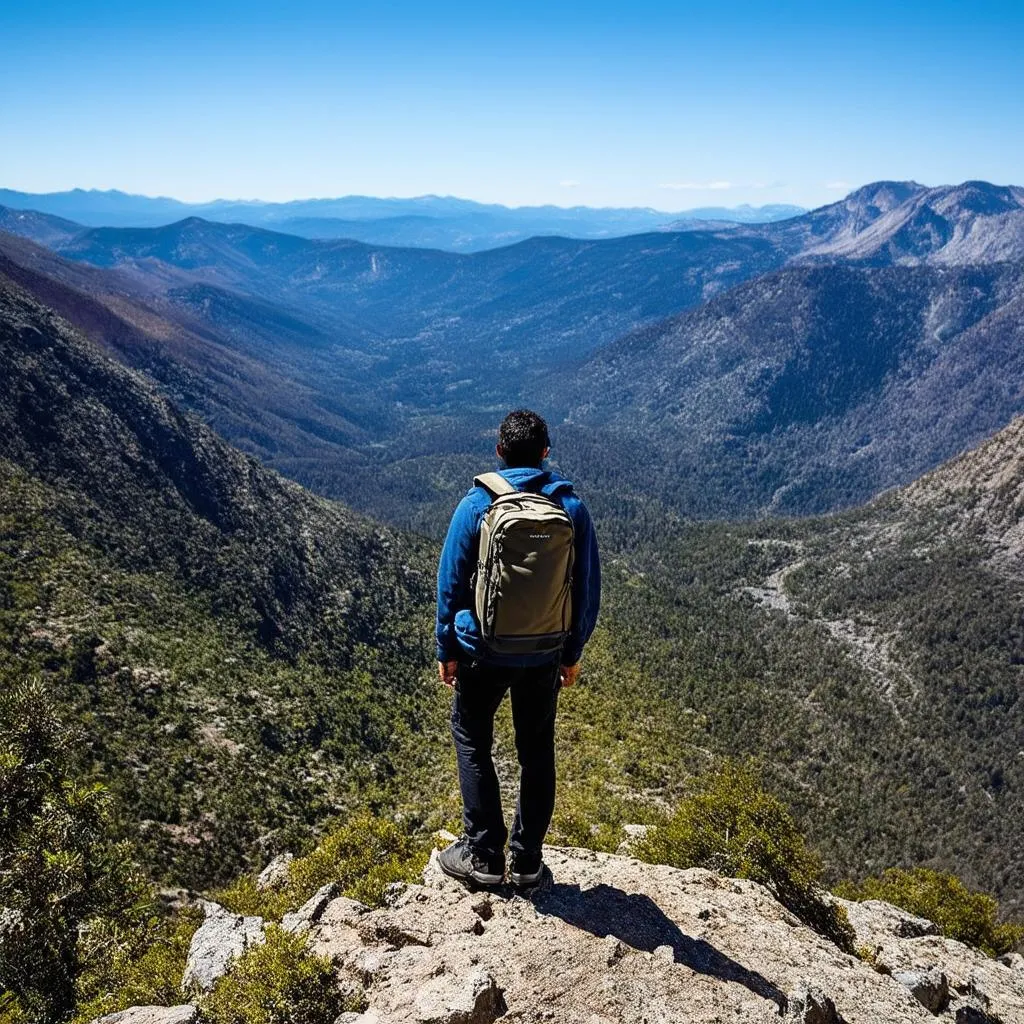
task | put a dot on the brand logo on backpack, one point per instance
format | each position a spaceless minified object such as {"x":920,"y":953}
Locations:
{"x":540,"y":536}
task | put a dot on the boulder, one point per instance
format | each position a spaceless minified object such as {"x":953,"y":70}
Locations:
{"x":185,"y":1014}
{"x":632,"y":834}
{"x":220,"y":939}
{"x":448,"y":999}
{"x":1013,"y":960}
{"x":612,"y":940}
{"x":875,"y":920}
{"x":929,"y":988}
{"x":275,"y":874}
{"x":311,"y":911}
{"x":808,"y":1004}
{"x":971,"y":1014}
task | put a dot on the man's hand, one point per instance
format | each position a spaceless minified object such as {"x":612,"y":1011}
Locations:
{"x":570,"y":674}
{"x":446,"y":672}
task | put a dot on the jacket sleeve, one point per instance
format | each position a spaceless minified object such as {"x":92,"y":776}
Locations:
{"x":454,"y":572}
{"x":586,"y":590}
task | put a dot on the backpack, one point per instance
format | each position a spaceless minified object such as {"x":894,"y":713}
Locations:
{"x":523,"y":583}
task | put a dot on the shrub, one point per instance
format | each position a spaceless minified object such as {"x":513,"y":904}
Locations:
{"x":61,"y":876}
{"x":731,"y":824}
{"x":961,"y":913}
{"x":365,"y":855}
{"x":143,"y":968}
{"x":277,"y":982}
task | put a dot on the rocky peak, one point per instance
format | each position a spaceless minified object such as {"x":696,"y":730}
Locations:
{"x":609,"y":939}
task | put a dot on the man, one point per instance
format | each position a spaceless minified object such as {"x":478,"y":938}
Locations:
{"x":482,"y":675}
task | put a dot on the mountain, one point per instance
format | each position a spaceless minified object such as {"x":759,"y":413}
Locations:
{"x":872,"y":660}
{"x":403,"y":353}
{"x":906,"y":223}
{"x":808,"y":389}
{"x":235,"y":651}
{"x":245,"y":659}
{"x":445,"y":222}
{"x":556,"y":293}
{"x":40,"y":227}
{"x":237,"y":361}
{"x":353,"y":357}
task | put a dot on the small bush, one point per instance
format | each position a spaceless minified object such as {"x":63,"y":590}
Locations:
{"x":141,"y":969}
{"x":62,"y":878}
{"x":365,"y":855}
{"x":277,"y":982}
{"x":961,"y":913}
{"x":731,"y":824}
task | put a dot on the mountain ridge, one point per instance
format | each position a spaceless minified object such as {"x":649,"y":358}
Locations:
{"x":448,"y":222}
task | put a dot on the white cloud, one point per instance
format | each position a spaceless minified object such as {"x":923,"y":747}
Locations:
{"x":697,"y":186}
{"x":569,"y":183}
{"x":838,"y":186}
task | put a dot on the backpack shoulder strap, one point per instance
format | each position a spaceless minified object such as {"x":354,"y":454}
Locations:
{"x":495,"y":484}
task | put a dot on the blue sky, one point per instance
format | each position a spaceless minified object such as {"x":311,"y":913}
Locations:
{"x":670,"y":105}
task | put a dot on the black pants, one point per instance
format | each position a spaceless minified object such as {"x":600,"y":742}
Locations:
{"x":479,"y":691}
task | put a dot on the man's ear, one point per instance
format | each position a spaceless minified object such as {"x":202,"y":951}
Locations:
{"x":544,"y":454}
{"x":499,"y":451}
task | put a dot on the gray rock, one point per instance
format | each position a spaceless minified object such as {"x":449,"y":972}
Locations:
{"x":343,"y":912}
{"x":617,"y":940}
{"x":809,"y":1005}
{"x":929,"y":988}
{"x":875,"y":920}
{"x":971,"y":1014}
{"x":276,"y":872}
{"x":185,"y":1014}
{"x":616,"y":950}
{"x":447,"y":999}
{"x":312,"y":910}
{"x":1013,"y":960}
{"x":220,"y":939}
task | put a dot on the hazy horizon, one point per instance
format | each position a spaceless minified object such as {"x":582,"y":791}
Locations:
{"x":228,"y":199}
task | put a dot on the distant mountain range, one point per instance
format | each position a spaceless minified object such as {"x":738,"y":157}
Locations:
{"x":438,"y":222}
{"x":797,"y":366}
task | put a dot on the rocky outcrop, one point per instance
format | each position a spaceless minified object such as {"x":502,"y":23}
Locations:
{"x":219,"y":940}
{"x":611,"y":939}
{"x":185,"y":1014}
{"x":276,"y":872}
{"x":312,"y":910}
{"x":607,"y":938}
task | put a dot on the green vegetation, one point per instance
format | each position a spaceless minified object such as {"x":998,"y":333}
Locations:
{"x":961,"y":913}
{"x":277,"y":982}
{"x":141,"y":966}
{"x":208,"y":741}
{"x":62,"y":881}
{"x":239,"y":662}
{"x":729,"y":823}
{"x":363,"y":856}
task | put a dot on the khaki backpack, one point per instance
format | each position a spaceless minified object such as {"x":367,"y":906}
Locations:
{"x":523,"y":584}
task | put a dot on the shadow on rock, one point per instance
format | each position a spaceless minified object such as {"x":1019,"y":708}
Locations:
{"x":639,"y":922}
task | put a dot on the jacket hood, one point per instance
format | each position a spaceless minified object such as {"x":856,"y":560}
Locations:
{"x":543,"y":481}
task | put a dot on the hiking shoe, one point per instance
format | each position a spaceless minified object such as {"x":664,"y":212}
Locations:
{"x":459,"y":861}
{"x":527,"y":869}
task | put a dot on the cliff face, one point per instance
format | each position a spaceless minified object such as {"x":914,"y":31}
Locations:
{"x":611,"y":939}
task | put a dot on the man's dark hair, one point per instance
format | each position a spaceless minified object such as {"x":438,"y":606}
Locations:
{"x":523,"y":436}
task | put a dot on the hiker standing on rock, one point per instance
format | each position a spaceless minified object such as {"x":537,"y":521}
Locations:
{"x":518,"y":590}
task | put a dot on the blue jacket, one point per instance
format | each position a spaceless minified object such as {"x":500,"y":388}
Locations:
{"x":458,"y":632}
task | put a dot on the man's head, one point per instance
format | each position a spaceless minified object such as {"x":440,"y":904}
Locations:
{"x":523,"y":439}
